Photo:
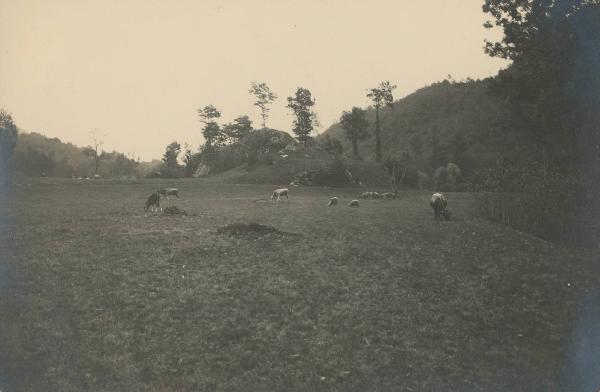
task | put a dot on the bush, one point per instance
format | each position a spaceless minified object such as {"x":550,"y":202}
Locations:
{"x":447,"y":178}
{"x":334,"y":175}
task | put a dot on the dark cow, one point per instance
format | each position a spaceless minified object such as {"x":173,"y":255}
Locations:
{"x":169,"y":192}
{"x":439,"y":204}
{"x":153,"y":202}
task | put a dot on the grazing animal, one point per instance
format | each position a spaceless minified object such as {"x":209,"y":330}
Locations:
{"x":169,"y":192}
{"x":354,"y":203}
{"x":153,"y":202}
{"x":333,"y":202}
{"x":370,"y":195}
{"x":388,"y":195}
{"x":278,"y":193}
{"x":439,"y":204}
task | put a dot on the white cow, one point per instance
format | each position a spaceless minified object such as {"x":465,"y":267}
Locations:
{"x":278,"y":193}
{"x":333,"y":202}
{"x":354,"y":203}
{"x":169,"y":192}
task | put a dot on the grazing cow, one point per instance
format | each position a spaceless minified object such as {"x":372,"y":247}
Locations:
{"x":365,"y":195}
{"x":354,"y":203}
{"x":153,"y":202}
{"x":388,"y":195}
{"x":169,"y":192}
{"x":333,"y":202}
{"x":278,"y":193}
{"x":439,"y":204}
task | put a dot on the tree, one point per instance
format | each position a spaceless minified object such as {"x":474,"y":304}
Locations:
{"x":8,"y":136}
{"x":541,"y":41}
{"x":171,"y":154}
{"x":332,"y":145}
{"x":306,"y":119}
{"x":436,"y":156}
{"x":380,"y":96}
{"x":239,"y":129}
{"x":190,"y":160}
{"x":401,"y":171}
{"x":415,"y":143}
{"x":211,"y":131}
{"x":94,"y":151}
{"x":355,"y":124}
{"x":264,"y":97}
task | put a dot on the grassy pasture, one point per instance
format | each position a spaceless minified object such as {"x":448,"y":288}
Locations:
{"x":98,"y":295}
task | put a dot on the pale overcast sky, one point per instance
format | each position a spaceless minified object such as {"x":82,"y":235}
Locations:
{"x":137,"y":70}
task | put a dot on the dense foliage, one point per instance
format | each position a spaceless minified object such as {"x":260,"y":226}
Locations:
{"x":355,"y":124}
{"x":305,"y":120}
{"x":446,"y":122}
{"x":8,"y":136}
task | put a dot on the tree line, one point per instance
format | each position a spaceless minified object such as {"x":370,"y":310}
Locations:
{"x":229,"y":145}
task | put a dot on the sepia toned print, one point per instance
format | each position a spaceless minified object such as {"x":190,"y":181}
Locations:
{"x":300,"y":196}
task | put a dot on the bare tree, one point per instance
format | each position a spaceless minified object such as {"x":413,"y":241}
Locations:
{"x":94,"y":150}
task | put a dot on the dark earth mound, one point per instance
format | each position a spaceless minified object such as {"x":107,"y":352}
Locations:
{"x":252,"y":230}
{"x":173,"y":210}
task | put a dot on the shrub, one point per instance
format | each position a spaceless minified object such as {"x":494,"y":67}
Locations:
{"x":447,"y":178}
{"x":333,"y":175}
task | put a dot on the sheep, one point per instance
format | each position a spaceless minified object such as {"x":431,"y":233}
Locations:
{"x":277,"y":193}
{"x":439,"y":205}
{"x":169,"y":192}
{"x":333,"y":202}
{"x":370,"y":195}
{"x":153,"y":202}
{"x":354,"y":203}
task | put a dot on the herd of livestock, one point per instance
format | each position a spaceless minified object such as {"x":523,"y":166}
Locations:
{"x":438,"y":201}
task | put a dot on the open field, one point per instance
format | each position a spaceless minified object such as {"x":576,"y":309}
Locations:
{"x":98,"y":295}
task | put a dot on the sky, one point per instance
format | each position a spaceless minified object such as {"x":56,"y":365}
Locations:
{"x":134,"y":72}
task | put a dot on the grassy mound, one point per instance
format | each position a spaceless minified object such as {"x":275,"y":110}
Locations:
{"x":315,"y":167}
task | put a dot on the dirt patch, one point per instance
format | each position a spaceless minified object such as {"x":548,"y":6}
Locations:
{"x":173,"y":210}
{"x":252,"y":230}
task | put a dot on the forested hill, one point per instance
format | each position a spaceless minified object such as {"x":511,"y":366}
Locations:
{"x":36,"y":155}
{"x":446,"y":122}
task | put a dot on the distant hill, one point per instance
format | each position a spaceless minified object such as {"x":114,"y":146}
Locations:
{"x":472,"y":128}
{"x":36,"y":155}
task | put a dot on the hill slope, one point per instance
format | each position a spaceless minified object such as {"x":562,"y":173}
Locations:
{"x":36,"y":154}
{"x":471,"y":127}
{"x":320,"y":166}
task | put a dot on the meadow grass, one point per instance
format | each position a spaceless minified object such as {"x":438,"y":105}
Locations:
{"x":98,"y":295}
